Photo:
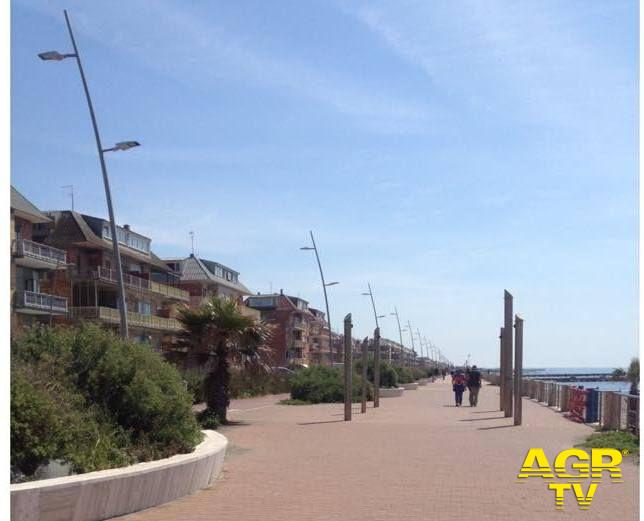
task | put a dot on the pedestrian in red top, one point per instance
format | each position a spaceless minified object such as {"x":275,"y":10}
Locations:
{"x":458,"y":385}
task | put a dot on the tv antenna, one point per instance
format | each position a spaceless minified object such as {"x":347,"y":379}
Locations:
{"x":71,"y":193}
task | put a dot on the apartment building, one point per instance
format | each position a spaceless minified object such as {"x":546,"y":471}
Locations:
{"x":91,"y":283}
{"x":291,"y":341}
{"x":320,"y":347}
{"x":204,"y":279}
{"x":36,"y":269}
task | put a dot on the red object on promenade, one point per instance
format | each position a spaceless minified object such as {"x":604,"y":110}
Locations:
{"x":577,"y":405}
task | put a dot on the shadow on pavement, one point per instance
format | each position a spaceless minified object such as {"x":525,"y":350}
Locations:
{"x":497,"y":427}
{"x":317,"y":423}
{"x":481,"y":419}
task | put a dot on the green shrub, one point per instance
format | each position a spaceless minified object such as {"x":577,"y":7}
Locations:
{"x":388,"y":375}
{"x":87,"y":397}
{"x":405,"y":375}
{"x":323,"y":384}
{"x":246,"y":383}
{"x":208,"y":419}
{"x":194,"y":380}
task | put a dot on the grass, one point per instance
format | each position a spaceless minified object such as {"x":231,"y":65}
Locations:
{"x":614,"y":440}
{"x":290,"y":401}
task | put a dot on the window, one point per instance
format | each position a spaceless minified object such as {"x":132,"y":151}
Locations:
{"x":229,"y":276}
{"x":128,"y":238}
{"x":265,"y":302}
{"x":143,"y":307}
{"x":219,"y":271}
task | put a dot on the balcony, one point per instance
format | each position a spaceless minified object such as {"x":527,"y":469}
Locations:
{"x":141,"y":284}
{"x":298,"y":343}
{"x":40,"y":303}
{"x":112,"y":316}
{"x":38,"y":256}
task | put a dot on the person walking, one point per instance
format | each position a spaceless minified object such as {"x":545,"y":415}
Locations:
{"x":474,"y":385}
{"x":458,"y":386}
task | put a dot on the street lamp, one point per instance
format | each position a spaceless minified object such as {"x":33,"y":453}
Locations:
{"x":124,"y":145}
{"x":373,"y":304}
{"x":402,"y":346}
{"x":324,"y":286}
{"x":411,"y":335}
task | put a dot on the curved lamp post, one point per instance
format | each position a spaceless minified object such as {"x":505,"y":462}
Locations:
{"x":326,"y":299}
{"x":124,"y":145}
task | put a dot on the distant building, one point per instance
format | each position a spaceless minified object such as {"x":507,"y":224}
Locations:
{"x":319,"y":338}
{"x":91,"y":284}
{"x":297,"y":338}
{"x":36,"y":269}
{"x":204,"y":279}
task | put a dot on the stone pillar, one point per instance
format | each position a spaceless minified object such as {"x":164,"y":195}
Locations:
{"x":376,"y":367}
{"x":508,"y":341}
{"x":518,"y":369}
{"x":348,"y":369}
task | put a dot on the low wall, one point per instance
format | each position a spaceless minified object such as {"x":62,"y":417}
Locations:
{"x":108,"y":493}
{"x":391,"y":392}
{"x":410,"y":386}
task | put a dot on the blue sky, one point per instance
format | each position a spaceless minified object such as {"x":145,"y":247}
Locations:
{"x":441,"y":151}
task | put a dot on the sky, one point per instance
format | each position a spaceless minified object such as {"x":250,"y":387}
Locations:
{"x":441,"y":151}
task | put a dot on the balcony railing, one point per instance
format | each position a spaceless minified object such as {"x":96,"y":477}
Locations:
{"x":41,"y":252}
{"x":41,"y":301}
{"x":140,"y":283}
{"x":112,"y":316}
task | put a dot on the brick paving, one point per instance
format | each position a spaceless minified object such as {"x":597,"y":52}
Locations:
{"x":416,"y":457}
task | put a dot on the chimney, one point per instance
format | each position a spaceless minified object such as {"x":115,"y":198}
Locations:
{"x":281,"y":292}
{"x":126,"y":226}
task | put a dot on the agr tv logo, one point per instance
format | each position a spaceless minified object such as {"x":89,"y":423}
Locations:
{"x":582,"y":467}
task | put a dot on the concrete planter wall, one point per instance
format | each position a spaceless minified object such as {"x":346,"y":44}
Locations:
{"x":410,"y":387}
{"x":391,"y":392}
{"x":422,"y":381}
{"x":108,"y":493}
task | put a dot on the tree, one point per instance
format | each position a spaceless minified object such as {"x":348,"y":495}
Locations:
{"x":618,"y":374}
{"x":217,"y":333}
{"x":633,"y":374}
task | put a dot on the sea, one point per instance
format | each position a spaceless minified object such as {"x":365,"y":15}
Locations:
{"x":544,"y":372}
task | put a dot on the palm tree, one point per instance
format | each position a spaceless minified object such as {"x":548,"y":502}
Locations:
{"x":217,"y":333}
{"x":634,"y":375}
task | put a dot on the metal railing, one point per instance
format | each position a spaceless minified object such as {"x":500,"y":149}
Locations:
{"x":42,"y":301}
{"x":42,"y":252}
{"x":139,"y":283}
{"x":134,"y":319}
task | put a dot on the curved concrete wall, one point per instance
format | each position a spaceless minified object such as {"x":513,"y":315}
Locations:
{"x":109,"y":493}
{"x":391,"y":392}
{"x":410,"y":387}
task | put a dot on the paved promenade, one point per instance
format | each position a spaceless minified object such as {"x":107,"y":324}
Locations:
{"x":415,"y":458}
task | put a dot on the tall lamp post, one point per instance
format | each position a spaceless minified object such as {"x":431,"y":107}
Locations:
{"x":402,"y":346}
{"x":376,"y":316}
{"x":326,"y":299}
{"x":411,"y":335}
{"x":124,"y":145}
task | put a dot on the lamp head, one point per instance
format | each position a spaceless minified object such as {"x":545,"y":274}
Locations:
{"x":126,"y":145}
{"x":51,"y":56}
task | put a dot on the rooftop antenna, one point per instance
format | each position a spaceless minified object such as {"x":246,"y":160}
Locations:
{"x":71,"y":193}
{"x":192,"y":242}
